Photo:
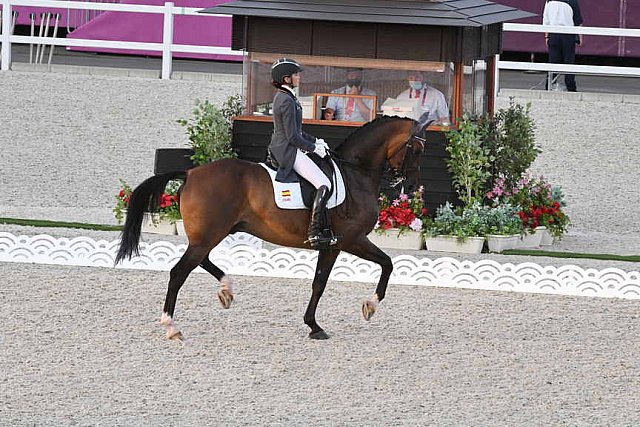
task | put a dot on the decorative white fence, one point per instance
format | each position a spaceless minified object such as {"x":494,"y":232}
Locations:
{"x":568,"y":68}
{"x":167,"y":47}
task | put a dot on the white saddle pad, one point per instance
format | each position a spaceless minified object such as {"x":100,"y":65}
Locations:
{"x":289,"y":196}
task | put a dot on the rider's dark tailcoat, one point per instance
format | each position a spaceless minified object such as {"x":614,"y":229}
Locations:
{"x":287,"y":133}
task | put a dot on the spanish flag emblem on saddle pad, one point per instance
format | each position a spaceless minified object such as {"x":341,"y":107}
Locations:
{"x":288,"y":195}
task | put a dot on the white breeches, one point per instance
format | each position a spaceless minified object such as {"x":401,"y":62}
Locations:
{"x":310,"y":171}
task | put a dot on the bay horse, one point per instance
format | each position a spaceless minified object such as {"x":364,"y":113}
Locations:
{"x":231,"y":195}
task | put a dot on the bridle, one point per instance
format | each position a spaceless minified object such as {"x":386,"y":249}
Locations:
{"x":399,"y":175}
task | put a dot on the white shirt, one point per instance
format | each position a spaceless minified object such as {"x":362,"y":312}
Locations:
{"x":339,"y":105}
{"x":428,"y":99}
{"x":557,"y":13}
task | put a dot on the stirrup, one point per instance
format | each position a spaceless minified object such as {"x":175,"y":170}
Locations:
{"x":322,"y":241}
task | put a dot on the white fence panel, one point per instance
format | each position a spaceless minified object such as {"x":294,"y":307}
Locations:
{"x":567,"y":68}
{"x":166,"y":47}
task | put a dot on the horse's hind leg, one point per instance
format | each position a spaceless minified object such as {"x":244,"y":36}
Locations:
{"x":192,"y":257}
{"x":225,"y":294}
{"x":326,"y":260}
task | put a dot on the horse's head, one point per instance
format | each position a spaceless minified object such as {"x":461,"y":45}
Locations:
{"x":403,"y":152}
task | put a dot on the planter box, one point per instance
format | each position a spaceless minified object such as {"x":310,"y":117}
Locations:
{"x":499,"y":243}
{"x":391,"y":240}
{"x":470,"y":245}
{"x":180,"y":228}
{"x":531,"y":240}
{"x":547,"y":238}
{"x":151,"y":223}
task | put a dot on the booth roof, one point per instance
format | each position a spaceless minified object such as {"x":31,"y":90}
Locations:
{"x":448,"y":13}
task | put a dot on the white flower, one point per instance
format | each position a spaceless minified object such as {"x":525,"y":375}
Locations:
{"x":416,"y":224}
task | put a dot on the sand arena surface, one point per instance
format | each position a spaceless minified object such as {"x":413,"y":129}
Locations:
{"x":83,"y":346}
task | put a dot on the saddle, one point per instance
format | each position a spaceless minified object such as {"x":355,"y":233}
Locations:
{"x":299,"y":194}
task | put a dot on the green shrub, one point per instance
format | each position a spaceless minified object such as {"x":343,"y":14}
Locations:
{"x":510,"y":139}
{"x":210,"y":129}
{"x":469,"y":161}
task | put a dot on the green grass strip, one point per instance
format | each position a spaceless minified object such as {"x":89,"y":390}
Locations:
{"x":603,"y":257}
{"x":60,"y":224}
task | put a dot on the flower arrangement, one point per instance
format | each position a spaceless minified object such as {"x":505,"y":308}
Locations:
{"x":406,"y":212}
{"x":168,"y":207}
{"x":122,"y":201}
{"x":539,"y":203}
{"x":168,"y":204}
{"x":459,"y":222}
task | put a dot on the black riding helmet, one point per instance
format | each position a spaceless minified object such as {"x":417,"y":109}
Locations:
{"x":282,"y":68}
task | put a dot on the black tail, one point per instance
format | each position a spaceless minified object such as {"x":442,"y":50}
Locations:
{"x":144,"y":197}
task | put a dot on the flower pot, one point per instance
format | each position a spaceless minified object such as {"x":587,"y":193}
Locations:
{"x":531,"y":240}
{"x":152,"y":223}
{"x":180,"y":228}
{"x":499,"y":243}
{"x":441,"y":243}
{"x":390,"y":239}
{"x":547,"y":238}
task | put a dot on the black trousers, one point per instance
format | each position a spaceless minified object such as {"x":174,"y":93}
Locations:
{"x":562,"y":50}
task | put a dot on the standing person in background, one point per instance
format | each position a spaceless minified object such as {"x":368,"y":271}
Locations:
{"x":562,"y":47}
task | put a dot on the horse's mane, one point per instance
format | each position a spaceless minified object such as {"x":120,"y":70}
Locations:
{"x":370,"y":127}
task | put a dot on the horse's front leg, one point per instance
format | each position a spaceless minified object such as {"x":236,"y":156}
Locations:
{"x":366,"y":250}
{"x":326,"y":260}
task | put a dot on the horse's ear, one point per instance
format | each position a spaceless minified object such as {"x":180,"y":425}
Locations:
{"x":421,"y":125}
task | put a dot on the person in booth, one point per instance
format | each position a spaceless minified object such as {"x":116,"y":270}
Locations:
{"x":290,"y":145}
{"x":430,"y":103}
{"x":350,"y":109}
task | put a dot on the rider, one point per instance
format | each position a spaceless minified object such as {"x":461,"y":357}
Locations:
{"x":290,"y":145}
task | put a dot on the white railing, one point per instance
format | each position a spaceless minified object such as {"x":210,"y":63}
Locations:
{"x":568,"y":68}
{"x":167,"y":47}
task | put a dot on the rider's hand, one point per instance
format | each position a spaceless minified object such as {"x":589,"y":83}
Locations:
{"x":320,"y":150}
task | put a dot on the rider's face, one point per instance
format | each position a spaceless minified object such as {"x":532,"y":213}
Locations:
{"x":295,"y":80}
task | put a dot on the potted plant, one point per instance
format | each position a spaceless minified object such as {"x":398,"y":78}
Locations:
{"x":122,"y":201}
{"x":210,"y":129}
{"x":400,"y":221}
{"x":456,"y":230}
{"x":509,"y":136}
{"x":209,"y":133}
{"x":540,"y":207}
{"x":469,"y":160}
{"x":164,"y":220}
{"x":503,"y":227}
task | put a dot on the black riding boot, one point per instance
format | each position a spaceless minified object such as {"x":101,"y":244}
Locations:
{"x":320,"y":235}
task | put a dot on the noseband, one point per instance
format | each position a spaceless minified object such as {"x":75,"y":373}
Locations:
{"x":399,"y":175}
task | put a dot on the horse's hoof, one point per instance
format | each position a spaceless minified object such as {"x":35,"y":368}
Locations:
{"x":175,"y":335}
{"x":319,"y":335}
{"x":368,"y":309}
{"x":225,"y":297}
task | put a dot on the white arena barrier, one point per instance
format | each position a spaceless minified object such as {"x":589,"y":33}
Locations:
{"x":242,"y":254}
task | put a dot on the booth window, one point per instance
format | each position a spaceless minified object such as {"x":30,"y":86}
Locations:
{"x":327,"y":83}
{"x":475,"y":87}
